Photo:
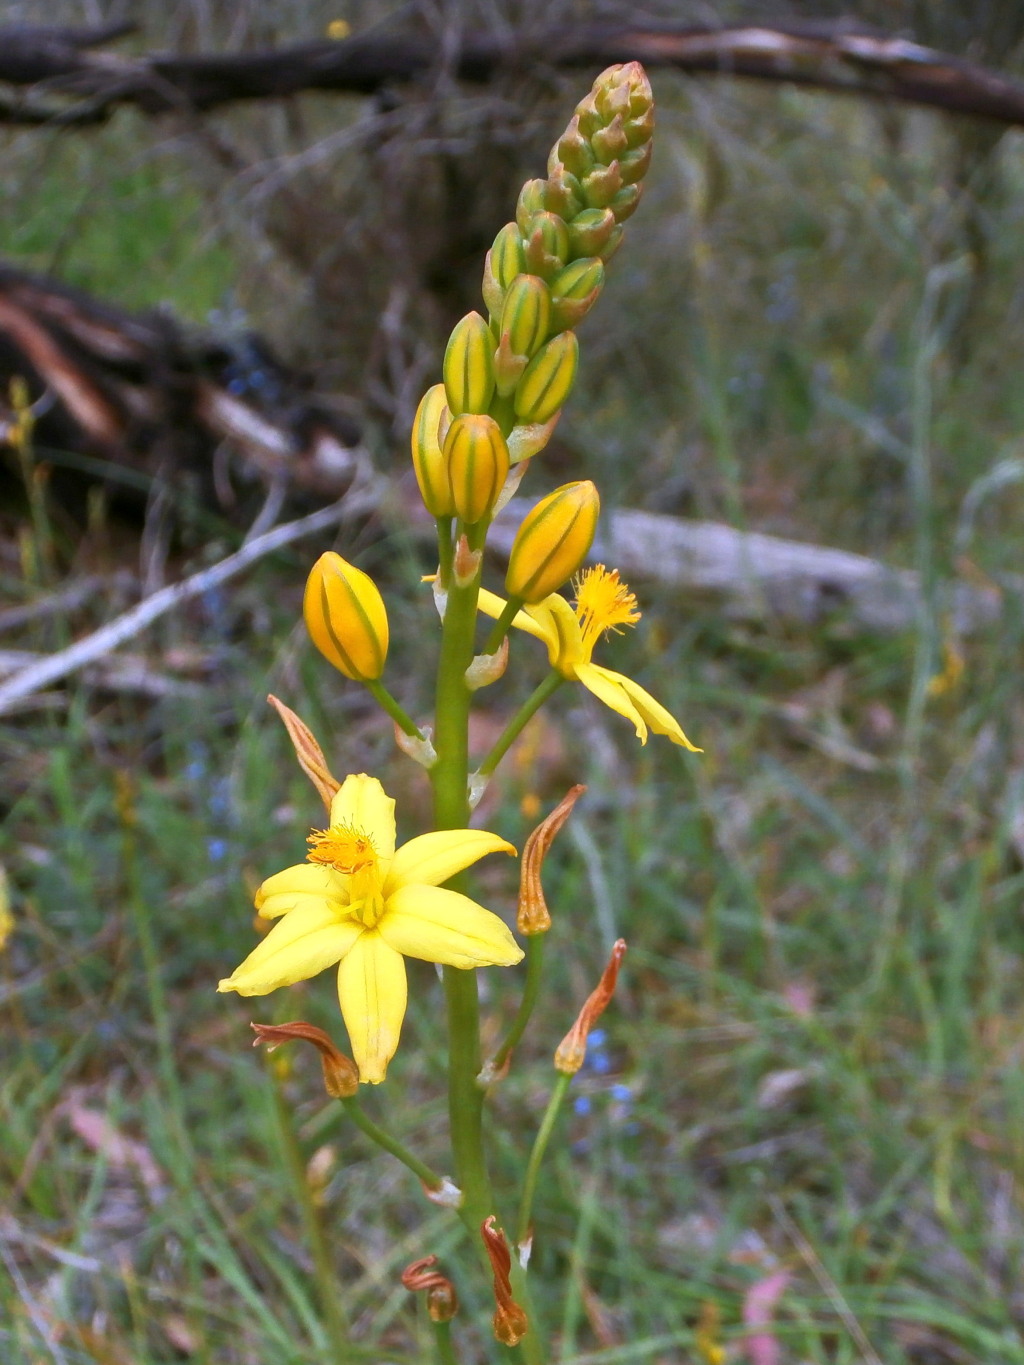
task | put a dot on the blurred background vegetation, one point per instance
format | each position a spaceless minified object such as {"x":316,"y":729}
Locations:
{"x":813,"y":1065}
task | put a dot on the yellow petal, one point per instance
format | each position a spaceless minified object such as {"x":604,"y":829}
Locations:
{"x":363,"y":804}
{"x":432,"y":858}
{"x":607,"y":687}
{"x":493,"y":605}
{"x":372,"y":991}
{"x":561,"y":633}
{"x":300,"y":945}
{"x":627,"y":697}
{"x":436,"y":925}
{"x":285,"y":890}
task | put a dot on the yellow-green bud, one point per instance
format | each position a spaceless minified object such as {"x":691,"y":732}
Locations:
{"x":574,"y":292}
{"x":526,"y":314}
{"x":572,"y":150}
{"x":610,"y":142}
{"x":545,"y":244}
{"x":532,"y":199}
{"x":625,"y":203}
{"x":548,"y":379}
{"x":504,"y":262}
{"x":563,"y":195}
{"x":346,"y":618}
{"x":468,"y":366}
{"x":428,"y":432}
{"x":553,"y":541}
{"x":590,"y":230}
{"x":478,"y":464}
{"x":602,"y":185}
{"x":612,"y":245}
{"x":633,"y":165}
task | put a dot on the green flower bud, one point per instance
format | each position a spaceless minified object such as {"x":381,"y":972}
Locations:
{"x":589,"y":231}
{"x":532,"y":199}
{"x":428,"y":432}
{"x":609,"y":143}
{"x":504,"y":262}
{"x":633,"y":166}
{"x":548,"y":380}
{"x":640,"y":129}
{"x":574,"y":292}
{"x":468,"y":366}
{"x":564,"y":195}
{"x":572,"y":150}
{"x":478,"y":464}
{"x":545,"y":244}
{"x":612,"y":245}
{"x":626,"y":202}
{"x":602,"y":185}
{"x":553,"y":541}
{"x":526,"y":314}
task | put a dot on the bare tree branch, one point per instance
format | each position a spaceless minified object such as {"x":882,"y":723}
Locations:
{"x":68,"y":85}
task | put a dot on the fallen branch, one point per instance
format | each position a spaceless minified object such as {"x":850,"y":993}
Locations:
{"x":101,"y":642}
{"x":71,"y":86}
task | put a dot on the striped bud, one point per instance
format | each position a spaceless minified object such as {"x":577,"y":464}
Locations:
{"x":633,"y":166}
{"x":625,"y":203}
{"x":572,"y":150}
{"x":478,"y":464}
{"x":590,"y":230}
{"x":427,"y":455}
{"x":574,"y":292}
{"x":532,"y":199}
{"x":602,"y":185}
{"x":504,"y":262}
{"x":548,"y":380}
{"x":526,"y":314}
{"x":553,"y":541}
{"x":545,"y":244}
{"x":612,"y":245}
{"x":346,"y":618}
{"x":468,"y":366}
{"x":564,"y":195}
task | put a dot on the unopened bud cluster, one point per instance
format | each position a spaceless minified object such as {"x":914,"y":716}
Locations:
{"x":507,"y":377}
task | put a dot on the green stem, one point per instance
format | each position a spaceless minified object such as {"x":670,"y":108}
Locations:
{"x":531,"y":990}
{"x":502,"y":624}
{"x":445,"y":550}
{"x":383,"y":1138}
{"x":451,"y":811}
{"x":386,"y":702}
{"x":537,"y":1155}
{"x":526,"y":712}
{"x":443,"y":1342}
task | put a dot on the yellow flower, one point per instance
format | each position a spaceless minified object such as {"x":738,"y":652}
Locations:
{"x":603,"y":603}
{"x":360,"y":903}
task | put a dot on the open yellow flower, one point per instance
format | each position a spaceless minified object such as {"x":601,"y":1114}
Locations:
{"x":603,"y":603}
{"x":363,"y":904}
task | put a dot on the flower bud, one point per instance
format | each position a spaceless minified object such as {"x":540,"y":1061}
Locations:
{"x":504,"y":262}
{"x":574,"y":292}
{"x":532,"y":199}
{"x":468,"y":366}
{"x":610,"y":142}
{"x":552,"y":541}
{"x":626,"y":202}
{"x":346,"y":618}
{"x":572,"y":150}
{"x":545,"y":244}
{"x":602,"y":185}
{"x":526,"y":314}
{"x":563,"y":195}
{"x":478,"y":464}
{"x":633,"y":165}
{"x":548,"y":380}
{"x":427,"y":456}
{"x":590,"y":230}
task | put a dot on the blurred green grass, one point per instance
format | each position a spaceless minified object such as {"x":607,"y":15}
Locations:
{"x":813,"y":1061}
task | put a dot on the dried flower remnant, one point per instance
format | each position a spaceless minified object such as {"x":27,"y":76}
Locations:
{"x":534,"y":916}
{"x":341,"y":1079}
{"x":572,"y":1050}
{"x":308,"y":752}
{"x":510,"y":1321}
{"x":442,"y":1300}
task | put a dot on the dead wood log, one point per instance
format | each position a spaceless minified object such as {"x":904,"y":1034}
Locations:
{"x":754,"y":576}
{"x":144,"y":391}
{"x":56,"y":80}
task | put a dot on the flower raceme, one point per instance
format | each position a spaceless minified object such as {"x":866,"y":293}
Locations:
{"x":362,"y":904}
{"x":603,"y":603}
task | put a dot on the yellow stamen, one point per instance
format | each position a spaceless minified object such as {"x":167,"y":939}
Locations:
{"x":351,"y":852}
{"x":603,"y":603}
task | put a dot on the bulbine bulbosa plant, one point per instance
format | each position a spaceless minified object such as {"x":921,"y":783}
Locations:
{"x":359,"y":902}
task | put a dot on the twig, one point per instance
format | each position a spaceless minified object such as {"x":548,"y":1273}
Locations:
{"x":127,"y":626}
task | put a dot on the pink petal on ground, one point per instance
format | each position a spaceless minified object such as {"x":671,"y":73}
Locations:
{"x":758,"y":1306}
